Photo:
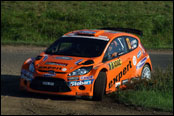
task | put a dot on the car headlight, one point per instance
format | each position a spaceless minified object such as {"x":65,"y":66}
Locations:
{"x":80,"y":71}
{"x":31,"y":67}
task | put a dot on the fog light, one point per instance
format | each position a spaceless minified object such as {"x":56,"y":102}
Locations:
{"x":82,"y":87}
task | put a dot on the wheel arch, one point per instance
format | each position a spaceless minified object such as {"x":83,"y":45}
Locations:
{"x":101,"y":80}
{"x":149,"y":66}
{"x":103,"y":70}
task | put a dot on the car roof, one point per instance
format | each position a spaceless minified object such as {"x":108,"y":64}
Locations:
{"x":98,"y":34}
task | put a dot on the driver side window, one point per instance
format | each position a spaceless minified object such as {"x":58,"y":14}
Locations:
{"x":116,"y":48}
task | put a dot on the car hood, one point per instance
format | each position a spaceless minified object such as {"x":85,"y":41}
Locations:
{"x":59,"y":63}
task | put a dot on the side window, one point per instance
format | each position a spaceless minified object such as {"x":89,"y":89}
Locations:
{"x":116,"y":47}
{"x":132,"y":43}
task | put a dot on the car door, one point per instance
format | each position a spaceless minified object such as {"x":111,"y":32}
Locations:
{"x":118,"y":64}
{"x":133,"y":54}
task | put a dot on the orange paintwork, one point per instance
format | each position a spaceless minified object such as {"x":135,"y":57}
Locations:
{"x":123,"y":67}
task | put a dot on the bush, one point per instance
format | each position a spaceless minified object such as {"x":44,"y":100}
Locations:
{"x":156,"y":93}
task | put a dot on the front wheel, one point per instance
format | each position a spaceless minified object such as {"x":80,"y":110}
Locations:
{"x":99,"y":87}
{"x":146,"y":72}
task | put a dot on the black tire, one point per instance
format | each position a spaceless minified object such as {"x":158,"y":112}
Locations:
{"x":99,"y":87}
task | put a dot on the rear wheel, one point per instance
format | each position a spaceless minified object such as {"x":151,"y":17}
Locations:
{"x":99,"y":87}
{"x":146,"y":72}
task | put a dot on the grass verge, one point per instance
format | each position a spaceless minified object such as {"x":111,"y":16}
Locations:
{"x":156,"y":93}
{"x":41,"y":22}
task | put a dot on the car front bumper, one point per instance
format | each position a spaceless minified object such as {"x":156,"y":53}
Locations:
{"x":57,"y":86}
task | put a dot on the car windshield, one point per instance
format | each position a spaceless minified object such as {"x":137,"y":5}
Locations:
{"x":76,"y":46}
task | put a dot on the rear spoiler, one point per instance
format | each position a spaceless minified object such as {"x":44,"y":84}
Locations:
{"x":128,"y":30}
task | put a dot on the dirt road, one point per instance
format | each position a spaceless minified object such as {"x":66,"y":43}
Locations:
{"x":16,"y":102}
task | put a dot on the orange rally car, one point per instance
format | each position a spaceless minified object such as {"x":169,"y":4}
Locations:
{"x":89,"y":62}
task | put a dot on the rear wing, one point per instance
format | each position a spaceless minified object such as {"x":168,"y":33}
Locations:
{"x":128,"y":30}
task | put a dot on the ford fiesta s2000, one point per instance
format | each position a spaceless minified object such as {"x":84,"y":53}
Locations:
{"x":88,"y":62}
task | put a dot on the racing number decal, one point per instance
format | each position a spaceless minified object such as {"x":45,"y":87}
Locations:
{"x":115,"y":64}
{"x":128,"y":43}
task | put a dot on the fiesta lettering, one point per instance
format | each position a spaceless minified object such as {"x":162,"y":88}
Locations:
{"x":42,"y":67}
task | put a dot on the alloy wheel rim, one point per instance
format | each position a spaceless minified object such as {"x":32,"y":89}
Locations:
{"x":146,"y":73}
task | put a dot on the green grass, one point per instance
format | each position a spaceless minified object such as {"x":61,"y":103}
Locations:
{"x":45,"y":21}
{"x":156,"y":93}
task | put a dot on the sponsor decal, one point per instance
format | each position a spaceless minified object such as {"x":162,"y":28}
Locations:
{"x":119,"y":76}
{"x":139,"y":54}
{"x":45,"y":58}
{"x":117,"y":84}
{"x":73,"y":78}
{"x":125,"y":81}
{"x":56,"y":63}
{"x":134,"y":60}
{"x":79,"y":61}
{"x":99,"y":37}
{"x":128,"y":42}
{"x":64,"y":58}
{"x":78,"y":83}
{"x":87,"y":32}
{"x":141,"y":63}
{"x":86,"y":77}
{"x":103,"y":37}
{"x":48,"y":83}
{"x":114,"y":64}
